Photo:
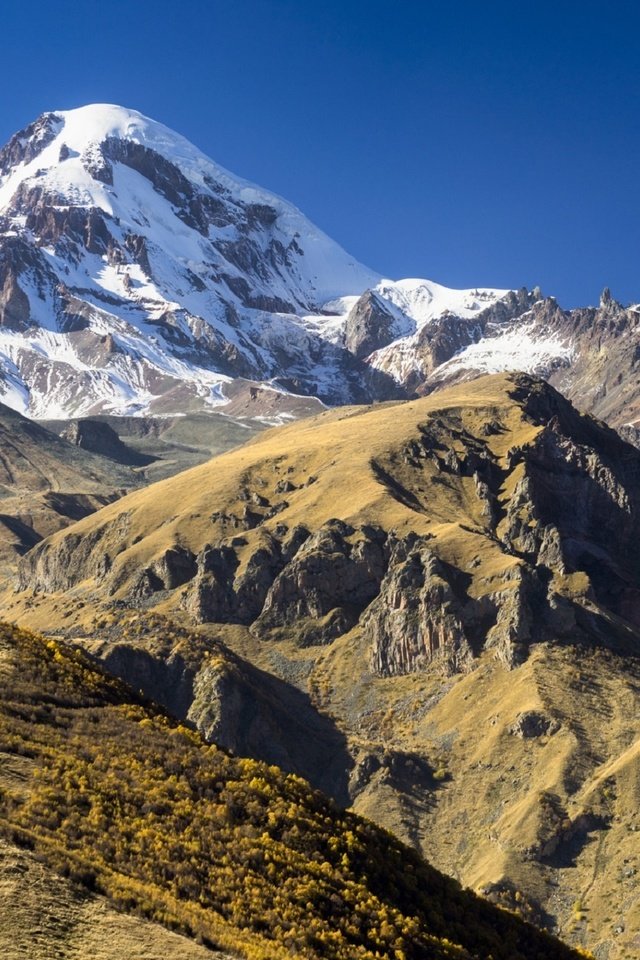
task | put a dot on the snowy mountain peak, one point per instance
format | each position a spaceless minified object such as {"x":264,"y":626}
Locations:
{"x":100,"y":155}
{"x":137,"y":275}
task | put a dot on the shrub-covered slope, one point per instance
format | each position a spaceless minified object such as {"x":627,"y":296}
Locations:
{"x":230,"y":851}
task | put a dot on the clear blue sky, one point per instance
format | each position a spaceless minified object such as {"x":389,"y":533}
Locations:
{"x":473,"y":143}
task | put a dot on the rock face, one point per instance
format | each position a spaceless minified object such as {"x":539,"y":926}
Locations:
{"x":329,"y":582}
{"x":590,"y":354}
{"x":553,"y":497}
{"x":417,"y":616}
{"x":371,"y":324}
{"x":410,"y":356}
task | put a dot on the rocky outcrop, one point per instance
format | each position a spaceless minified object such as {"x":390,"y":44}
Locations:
{"x":330,"y":581}
{"x":521,"y":616}
{"x":14,"y":304}
{"x":418,"y":352}
{"x":417,"y":617}
{"x":98,"y":437}
{"x":254,"y":715}
{"x":74,"y":559}
{"x":27,"y":144}
{"x":371,"y":324}
{"x":533,"y":724}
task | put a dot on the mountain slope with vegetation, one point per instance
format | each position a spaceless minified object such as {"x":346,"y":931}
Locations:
{"x":450,"y":586}
{"x":121,"y":799}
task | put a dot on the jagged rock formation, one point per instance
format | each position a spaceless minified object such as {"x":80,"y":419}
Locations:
{"x":590,"y":354}
{"x":536,"y":503}
{"x":417,"y":616}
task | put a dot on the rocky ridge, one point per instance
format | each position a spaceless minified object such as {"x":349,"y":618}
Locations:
{"x":537,"y":505}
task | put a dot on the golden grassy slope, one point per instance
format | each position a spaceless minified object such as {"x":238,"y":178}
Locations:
{"x":230,"y":851}
{"x":334,"y":462}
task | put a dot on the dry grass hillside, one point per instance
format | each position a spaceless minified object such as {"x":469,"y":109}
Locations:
{"x":451,"y":585}
{"x":137,"y":812}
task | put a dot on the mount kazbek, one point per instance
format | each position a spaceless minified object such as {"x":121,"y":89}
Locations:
{"x":139,"y":277}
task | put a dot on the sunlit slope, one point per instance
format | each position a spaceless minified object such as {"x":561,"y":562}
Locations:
{"x":453,"y":584}
{"x":346,"y":464}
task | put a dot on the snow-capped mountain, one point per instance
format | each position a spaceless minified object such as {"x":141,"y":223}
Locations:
{"x":138,"y":276}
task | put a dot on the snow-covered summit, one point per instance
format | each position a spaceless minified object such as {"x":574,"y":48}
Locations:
{"x":137,"y":275}
{"x":74,"y":163}
{"x":424,"y":300}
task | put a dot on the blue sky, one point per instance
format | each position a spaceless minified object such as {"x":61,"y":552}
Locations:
{"x":473,"y":143}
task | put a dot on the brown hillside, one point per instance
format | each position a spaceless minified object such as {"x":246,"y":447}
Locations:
{"x":452,"y":583}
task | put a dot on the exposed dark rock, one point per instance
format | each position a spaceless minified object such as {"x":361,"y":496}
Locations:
{"x":176,"y":566}
{"x":371,"y":324}
{"x":520,"y":618}
{"x":165,"y":176}
{"x":533,"y":724}
{"x":97,"y":165}
{"x":418,"y":616}
{"x":99,"y":437}
{"x":26,"y":145}
{"x":14,"y":304}
{"x":334,"y":575}
{"x":137,"y":247}
{"x":211,"y":597}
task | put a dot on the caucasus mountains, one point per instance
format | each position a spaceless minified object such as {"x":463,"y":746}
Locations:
{"x":137,"y":276}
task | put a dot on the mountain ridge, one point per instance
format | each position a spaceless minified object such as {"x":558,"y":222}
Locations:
{"x":138,"y":277}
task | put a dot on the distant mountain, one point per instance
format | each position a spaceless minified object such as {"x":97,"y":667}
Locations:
{"x":138,"y":276}
{"x":47,"y":482}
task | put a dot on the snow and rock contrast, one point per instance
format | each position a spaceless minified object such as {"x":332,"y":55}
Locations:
{"x":137,"y":276}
